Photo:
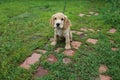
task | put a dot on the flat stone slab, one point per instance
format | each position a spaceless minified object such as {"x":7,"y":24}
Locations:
{"x":114,"y":49}
{"x":96,"y":14}
{"x":41,"y":72}
{"x":83,"y":29}
{"x":76,"y":44}
{"x":82,"y":35}
{"x":41,"y":51}
{"x":81,"y":14}
{"x":91,"y":12}
{"x":57,"y":50}
{"x":52,"y":59}
{"x":30,"y":60}
{"x":113,"y":30}
{"x":73,"y":31}
{"x":97,"y":78}
{"x":92,"y":30}
{"x":25,"y":65}
{"x":93,"y":41}
{"x":66,"y":60}
{"x":69,"y":52}
{"x":103,"y":69}
{"x":104,"y":77}
{"x":79,"y":33}
{"x":98,"y":30}
{"x":111,"y":41}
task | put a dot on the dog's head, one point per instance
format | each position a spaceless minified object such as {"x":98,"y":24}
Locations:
{"x":59,"y":20}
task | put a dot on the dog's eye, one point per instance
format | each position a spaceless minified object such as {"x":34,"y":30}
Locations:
{"x":62,"y":19}
{"x":55,"y":18}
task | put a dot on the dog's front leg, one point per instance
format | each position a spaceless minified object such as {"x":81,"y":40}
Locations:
{"x":67,"y":37}
{"x":70,"y":36}
{"x":55,"y":39}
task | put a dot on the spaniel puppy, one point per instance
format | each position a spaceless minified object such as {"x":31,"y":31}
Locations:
{"x":61,"y":25}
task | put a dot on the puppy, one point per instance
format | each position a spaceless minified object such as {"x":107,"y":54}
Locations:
{"x":61,"y":25}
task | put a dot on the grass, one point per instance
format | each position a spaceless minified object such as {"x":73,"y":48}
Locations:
{"x":24,"y":26}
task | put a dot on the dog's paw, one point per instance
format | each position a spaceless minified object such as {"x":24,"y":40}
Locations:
{"x":53,"y":43}
{"x":67,"y":47}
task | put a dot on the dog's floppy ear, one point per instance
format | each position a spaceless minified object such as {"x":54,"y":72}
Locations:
{"x":67,"y":23}
{"x":52,"y":21}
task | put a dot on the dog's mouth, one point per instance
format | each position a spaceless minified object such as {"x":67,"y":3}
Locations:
{"x":58,"y":27}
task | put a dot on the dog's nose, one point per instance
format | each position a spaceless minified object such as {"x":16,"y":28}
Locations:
{"x":57,"y":24}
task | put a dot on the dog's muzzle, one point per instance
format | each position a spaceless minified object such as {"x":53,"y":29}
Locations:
{"x":58,"y":24}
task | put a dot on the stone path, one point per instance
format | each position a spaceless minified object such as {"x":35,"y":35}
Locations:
{"x":112,"y":31}
{"x":30,"y":60}
{"x":104,"y":77}
{"x":37,"y":54}
{"x":57,"y":50}
{"x":93,"y":41}
{"x":114,"y":49}
{"x":92,"y":30}
{"x":83,"y":29}
{"x":103,"y":69}
{"x":41,"y":72}
{"x":69,"y":52}
{"x":89,"y":14}
{"x":51,"y":58}
{"x":79,"y":33}
{"x":81,"y":14}
{"x":76,"y":44}
{"x":66,"y":60}
{"x":96,"y":14}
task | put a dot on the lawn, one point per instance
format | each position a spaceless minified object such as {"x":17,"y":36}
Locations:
{"x":24,"y":27}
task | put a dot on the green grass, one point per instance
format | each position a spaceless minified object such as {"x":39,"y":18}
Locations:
{"x":24,"y":26}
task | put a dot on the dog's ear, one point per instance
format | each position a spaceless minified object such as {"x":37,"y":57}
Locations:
{"x":67,"y":23}
{"x":52,"y":21}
